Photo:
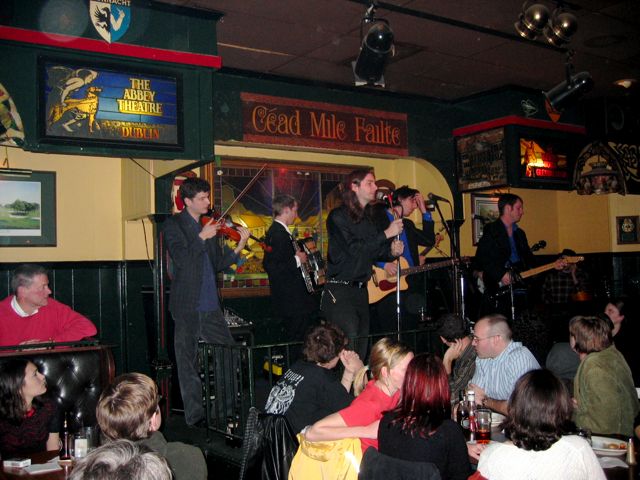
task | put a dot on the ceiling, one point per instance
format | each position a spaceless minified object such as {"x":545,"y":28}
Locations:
{"x":446,"y":49}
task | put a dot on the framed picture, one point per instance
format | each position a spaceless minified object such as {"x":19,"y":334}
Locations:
{"x":484,"y":209}
{"x":109,"y":105}
{"x":481,"y":160}
{"x":28,"y":210}
{"x":628,"y":228}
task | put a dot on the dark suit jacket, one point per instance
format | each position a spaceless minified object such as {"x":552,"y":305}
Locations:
{"x":289,"y":294}
{"x":186,"y":249}
{"x":415,"y":237}
{"x":494,"y":251}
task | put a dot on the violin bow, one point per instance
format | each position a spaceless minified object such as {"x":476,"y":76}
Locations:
{"x":241,"y":194}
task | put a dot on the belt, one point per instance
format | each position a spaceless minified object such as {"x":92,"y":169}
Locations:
{"x":348,"y":283}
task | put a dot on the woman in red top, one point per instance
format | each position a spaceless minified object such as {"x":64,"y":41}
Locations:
{"x":388,"y":363}
{"x":27,"y":423}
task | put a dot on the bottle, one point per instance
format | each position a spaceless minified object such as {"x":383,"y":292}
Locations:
{"x":471,"y":406}
{"x":66,"y":439}
{"x":462,"y":416}
{"x":631,"y":452}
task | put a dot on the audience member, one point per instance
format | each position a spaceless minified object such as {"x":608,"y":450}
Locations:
{"x":121,"y":460}
{"x":420,"y":428}
{"x":310,"y":390}
{"x":562,"y":286}
{"x":563,"y":362}
{"x":29,"y":423}
{"x":460,"y":357}
{"x":388,"y":363}
{"x":603,"y":389}
{"x":30,"y":316}
{"x":500,"y":363}
{"x":539,"y":427}
{"x":128,"y":409}
{"x":625,"y":333}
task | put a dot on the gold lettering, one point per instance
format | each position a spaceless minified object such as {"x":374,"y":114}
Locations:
{"x":265,"y":120}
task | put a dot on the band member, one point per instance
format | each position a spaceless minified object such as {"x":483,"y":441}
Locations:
{"x":354,"y":245}
{"x":291,"y":301}
{"x":502,"y":248}
{"x":194,"y":302}
{"x":405,"y":201}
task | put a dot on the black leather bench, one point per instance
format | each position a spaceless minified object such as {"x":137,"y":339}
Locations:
{"x":75,"y":376}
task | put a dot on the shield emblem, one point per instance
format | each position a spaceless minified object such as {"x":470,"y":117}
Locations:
{"x":111,"y":21}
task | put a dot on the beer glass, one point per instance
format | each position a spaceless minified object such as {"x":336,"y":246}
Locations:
{"x":483,"y":422}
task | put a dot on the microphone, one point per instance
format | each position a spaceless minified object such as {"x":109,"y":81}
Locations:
{"x":436,"y":198}
{"x":382,"y":194}
{"x":538,"y":246}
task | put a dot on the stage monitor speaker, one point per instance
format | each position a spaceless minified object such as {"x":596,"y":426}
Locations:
{"x":613,"y":119}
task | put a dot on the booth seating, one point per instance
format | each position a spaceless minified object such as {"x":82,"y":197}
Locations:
{"x":75,"y":377}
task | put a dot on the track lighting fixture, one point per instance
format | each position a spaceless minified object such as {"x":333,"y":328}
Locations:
{"x":569,"y":91}
{"x":557,"y":28}
{"x":375,"y":49}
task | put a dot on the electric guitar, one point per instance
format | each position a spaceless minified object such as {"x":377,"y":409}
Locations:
{"x":382,"y":284}
{"x":526,"y":274}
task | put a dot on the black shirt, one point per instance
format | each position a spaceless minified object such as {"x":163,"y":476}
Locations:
{"x":307,"y":393}
{"x":446,"y":448}
{"x":354,"y":247}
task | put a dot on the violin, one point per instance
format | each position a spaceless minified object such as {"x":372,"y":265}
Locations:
{"x":228,"y":229}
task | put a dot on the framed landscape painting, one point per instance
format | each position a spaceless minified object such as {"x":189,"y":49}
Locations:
{"x":28,"y":209}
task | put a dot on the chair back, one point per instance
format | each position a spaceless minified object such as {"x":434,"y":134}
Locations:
{"x":378,"y":466}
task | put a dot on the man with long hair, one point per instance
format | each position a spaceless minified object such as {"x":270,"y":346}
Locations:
{"x":354,"y":245}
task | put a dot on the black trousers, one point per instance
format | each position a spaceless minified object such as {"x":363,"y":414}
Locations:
{"x":209,"y":327}
{"x":348,"y":307}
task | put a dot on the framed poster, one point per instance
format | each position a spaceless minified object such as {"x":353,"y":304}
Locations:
{"x":28,"y":210}
{"x":628,"y":229}
{"x":481,"y":160}
{"x":484,"y":209}
{"x":109,"y":106}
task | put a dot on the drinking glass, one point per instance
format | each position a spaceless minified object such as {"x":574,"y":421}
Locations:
{"x":483,"y":422}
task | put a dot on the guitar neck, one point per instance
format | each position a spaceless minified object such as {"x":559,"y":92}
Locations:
{"x":548,"y":266}
{"x":426,"y":267}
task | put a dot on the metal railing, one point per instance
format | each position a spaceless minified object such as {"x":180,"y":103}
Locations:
{"x":230,"y":374}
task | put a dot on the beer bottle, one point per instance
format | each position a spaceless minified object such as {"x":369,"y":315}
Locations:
{"x":462,"y":416}
{"x":471,"y":405}
{"x":65,"y":437}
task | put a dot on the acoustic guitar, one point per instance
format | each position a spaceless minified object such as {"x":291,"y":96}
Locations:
{"x":382,"y":284}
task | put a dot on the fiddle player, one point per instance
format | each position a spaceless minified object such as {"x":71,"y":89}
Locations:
{"x":291,"y":301}
{"x":194,"y":302}
{"x":354,"y":245}
{"x":405,"y":201}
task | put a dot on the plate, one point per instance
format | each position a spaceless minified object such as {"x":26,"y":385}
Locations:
{"x":496,"y":419}
{"x":601,"y":445}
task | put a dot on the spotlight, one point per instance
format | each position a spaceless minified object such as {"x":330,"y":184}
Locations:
{"x":569,"y":91}
{"x":375,"y":49}
{"x":532,"y":20}
{"x":561,"y":28}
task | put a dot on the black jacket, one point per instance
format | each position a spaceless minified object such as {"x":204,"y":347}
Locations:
{"x":186,"y":249}
{"x":494,"y":251}
{"x":289,"y":294}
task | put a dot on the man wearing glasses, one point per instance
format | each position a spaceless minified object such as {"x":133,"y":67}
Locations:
{"x":500,"y":362}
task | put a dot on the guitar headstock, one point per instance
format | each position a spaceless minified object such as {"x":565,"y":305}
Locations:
{"x":573,"y":259}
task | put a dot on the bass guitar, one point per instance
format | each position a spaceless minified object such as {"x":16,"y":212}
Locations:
{"x":526,"y":274}
{"x":382,"y":284}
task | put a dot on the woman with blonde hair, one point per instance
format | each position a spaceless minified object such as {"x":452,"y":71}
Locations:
{"x":388,"y":363}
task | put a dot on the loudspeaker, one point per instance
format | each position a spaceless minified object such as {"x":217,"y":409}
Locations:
{"x":614,"y":119}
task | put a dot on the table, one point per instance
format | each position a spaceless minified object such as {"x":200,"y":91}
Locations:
{"x":41,"y":457}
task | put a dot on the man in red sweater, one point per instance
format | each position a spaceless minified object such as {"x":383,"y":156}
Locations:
{"x":30,"y":316}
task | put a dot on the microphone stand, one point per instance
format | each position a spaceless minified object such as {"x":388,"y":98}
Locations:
{"x":398,"y":275}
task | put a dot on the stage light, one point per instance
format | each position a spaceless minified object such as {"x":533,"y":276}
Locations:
{"x":569,"y":91}
{"x":376,"y":48}
{"x":532,"y":20}
{"x":561,"y":27}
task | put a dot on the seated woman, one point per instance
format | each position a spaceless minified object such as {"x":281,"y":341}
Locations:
{"x":420,"y":428}
{"x":539,"y":426}
{"x":607,"y":401}
{"x":388,"y":363}
{"x":622,"y":314}
{"x":310,"y":390}
{"x":28,"y":424}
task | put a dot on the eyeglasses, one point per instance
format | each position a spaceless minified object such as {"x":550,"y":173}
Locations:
{"x":477,"y":339}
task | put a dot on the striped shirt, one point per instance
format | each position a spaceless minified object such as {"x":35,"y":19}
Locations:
{"x":498,"y":376}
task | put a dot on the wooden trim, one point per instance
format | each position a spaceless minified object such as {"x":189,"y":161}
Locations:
{"x":517,"y":120}
{"x":235,"y":292}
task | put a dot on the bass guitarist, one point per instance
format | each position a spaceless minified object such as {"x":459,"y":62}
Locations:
{"x":502,"y":249}
{"x":405,"y":201}
{"x":291,"y":301}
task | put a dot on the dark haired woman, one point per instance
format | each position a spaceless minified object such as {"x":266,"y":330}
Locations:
{"x":625,"y":332}
{"x":539,"y":426}
{"x":27,"y":423}
{"x":420,"y":428}
{"x":310,"y":390}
